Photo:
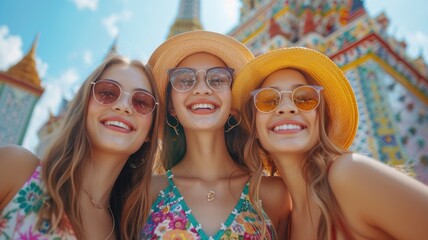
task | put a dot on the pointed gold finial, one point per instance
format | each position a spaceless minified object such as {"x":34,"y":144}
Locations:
{"x":188,"y":18}
{"x":26,"y":70}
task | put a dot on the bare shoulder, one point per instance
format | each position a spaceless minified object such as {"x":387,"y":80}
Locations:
{"x":369,"y":191}
{"x":16,"y":166}
{"x":353,"y":170}
{"x":14,"y":157}
{"x":157,"y":184}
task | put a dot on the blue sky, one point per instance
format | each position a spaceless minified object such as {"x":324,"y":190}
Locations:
{"x":76,"y":34}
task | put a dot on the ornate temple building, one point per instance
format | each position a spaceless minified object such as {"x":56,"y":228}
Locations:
{"x":391,"y":87}
{"x":20,"y":89}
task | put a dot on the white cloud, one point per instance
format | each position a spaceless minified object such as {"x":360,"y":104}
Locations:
{"x":68,"y":81}
{"x":230,"y":10}
{"x":89,"y":4}
{"x":112,"y":22}
{"x":418,"y":41}
{"x":88,"y":57}
{"x":42,"y":67}
{"x":227,"y":15}
{"x":10,"y":48}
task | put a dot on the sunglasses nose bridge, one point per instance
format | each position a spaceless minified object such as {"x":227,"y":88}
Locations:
{"x":199,"y":76}
{"x":282,"y":93}
{"x":124,"y":103}
{"x":199,"y":71}
{"x":201,"y":84}
{"x":286,"y":102}
{"x":121,"y":96}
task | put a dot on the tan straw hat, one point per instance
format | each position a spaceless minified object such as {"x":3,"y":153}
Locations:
{"x":170,"y":53}
{"x":337,"y":91}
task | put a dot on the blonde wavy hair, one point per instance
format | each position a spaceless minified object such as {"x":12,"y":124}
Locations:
{"x":63,"y":166}
{"x":314,"y":166}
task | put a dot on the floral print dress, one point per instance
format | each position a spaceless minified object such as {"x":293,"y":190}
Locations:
{"x":18,"y":219}
{"x":171,"y":218}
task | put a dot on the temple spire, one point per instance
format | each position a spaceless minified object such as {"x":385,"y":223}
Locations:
{"x":113,"y":49}
{"x":26,"y":70}
{"x":188,"y":18}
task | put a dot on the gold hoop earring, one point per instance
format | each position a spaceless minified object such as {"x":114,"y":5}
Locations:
{"x":232,"y":126}
{"x":175,"y":127}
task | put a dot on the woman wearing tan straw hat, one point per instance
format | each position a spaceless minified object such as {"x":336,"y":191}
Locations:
{"x":302,"y":115}
{"x":207,"y":191}
{"x":106,"y":145}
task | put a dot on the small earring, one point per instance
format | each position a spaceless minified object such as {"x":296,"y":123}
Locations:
{"x":175,"y":127}
{"x":46,"y":202}
{"x":232,"y":126}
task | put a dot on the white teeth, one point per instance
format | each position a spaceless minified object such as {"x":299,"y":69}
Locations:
{"x":202,"y":106}
{"x":288,"y":127}
{"x":117,"y":124}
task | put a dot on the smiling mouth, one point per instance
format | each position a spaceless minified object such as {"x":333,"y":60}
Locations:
{"x":118,"y":124}
{"x":202,"y":106}
{"x":288,"y":127}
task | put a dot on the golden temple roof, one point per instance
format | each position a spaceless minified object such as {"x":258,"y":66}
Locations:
{"x":25,"y":70}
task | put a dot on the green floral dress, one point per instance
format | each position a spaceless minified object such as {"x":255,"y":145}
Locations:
{"x":18,"y":219}
{"x":171,"y":218}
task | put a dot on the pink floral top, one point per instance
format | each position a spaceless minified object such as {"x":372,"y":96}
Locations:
{"x":171,"y":218}
{"x":18,"y":219}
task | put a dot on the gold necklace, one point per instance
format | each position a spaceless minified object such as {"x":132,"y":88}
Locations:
{"x":210,"y":195}
{"x":95,"y":204}
{"x":102,"y":207}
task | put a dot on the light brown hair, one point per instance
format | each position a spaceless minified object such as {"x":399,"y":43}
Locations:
{"x":63,"y":163}
{"x":314,"y":166}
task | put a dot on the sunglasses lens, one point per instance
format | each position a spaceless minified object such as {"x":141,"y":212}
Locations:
{"x":219,"y":79}
{"x":267,"y":100}
{"x":182,"y":79}
{"x":306,"y":98}
{"x":143,"y":102}
{"x":106,"y":92}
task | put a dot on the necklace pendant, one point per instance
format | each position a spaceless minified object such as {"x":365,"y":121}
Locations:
{"x":210,"y":195}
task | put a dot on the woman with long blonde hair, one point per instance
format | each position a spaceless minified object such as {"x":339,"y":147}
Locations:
{"x":106,"y":144}
{"x":302,"y":116}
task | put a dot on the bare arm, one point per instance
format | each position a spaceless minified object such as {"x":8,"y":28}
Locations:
{"x":16,"y":166}
{"x":276,"y":202}
{"x":378,"y":200}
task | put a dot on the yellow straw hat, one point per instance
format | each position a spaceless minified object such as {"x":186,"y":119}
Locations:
{"x":337,"y":91}
{"x":170,"y":53}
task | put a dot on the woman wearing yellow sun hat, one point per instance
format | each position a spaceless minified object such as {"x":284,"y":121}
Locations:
{"x":208,"y":191}
{"x":302,"y":116}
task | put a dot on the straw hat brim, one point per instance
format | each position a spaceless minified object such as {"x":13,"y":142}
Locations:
{"x":170,"y":53}
{"x":337,"y":92}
